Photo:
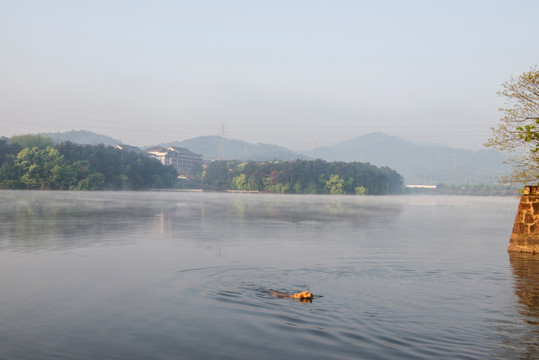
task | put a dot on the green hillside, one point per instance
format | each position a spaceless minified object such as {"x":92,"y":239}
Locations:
{"x":82,"y":137}
{"x":209,"y":147}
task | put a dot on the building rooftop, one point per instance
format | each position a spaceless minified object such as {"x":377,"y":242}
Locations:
{"x":172,"y":148}
{"x":130,"y":148}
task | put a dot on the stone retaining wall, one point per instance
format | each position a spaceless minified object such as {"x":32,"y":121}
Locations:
{"x":525,"y":236}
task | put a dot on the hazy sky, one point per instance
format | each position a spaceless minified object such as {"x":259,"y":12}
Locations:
{"x":283,"y":72}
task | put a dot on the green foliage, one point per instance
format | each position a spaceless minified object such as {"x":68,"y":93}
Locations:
{"x":94,"y":181}
{"x":301,"y":177}
{"x":518,"y":130}
{"x":81,"y":167}
{"x":8,"y":150}
{"x":43,"y":169}
{"x":10,"y":176}
{"x":122,"y":169}
{"x":32,"y":140}
{"x":335,"y":185}
{"x":360,"y":190}
{"x":239,"y":182}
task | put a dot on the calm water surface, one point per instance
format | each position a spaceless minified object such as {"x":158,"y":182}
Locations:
{"x":170,"y":275}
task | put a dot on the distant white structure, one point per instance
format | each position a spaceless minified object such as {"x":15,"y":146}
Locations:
{"x":421,"y":186}
{"x":181,"y":159}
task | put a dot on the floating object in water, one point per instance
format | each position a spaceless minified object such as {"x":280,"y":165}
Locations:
{"x":304,"y":296}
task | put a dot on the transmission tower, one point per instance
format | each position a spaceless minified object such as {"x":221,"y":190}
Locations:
{"x":222,"y":143}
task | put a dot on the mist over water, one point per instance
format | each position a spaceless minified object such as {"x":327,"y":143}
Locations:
{"x":170,"y":275}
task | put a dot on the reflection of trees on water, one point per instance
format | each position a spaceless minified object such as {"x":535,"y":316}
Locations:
{"x":35,"y":220}
{"x":298,"y":208}
{"x":32,"y":220}
{"x":526,"y":273}
{"x":232,"y":217}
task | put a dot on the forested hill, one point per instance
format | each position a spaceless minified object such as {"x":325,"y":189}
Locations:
{"x":69,"y":166}
{"x":210,"y":147}
{"x":420,"y":164}
{"x":82,"y":137}
{"x":302,"y":177}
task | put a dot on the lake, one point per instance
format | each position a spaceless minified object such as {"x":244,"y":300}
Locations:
{"x":174,"y":275}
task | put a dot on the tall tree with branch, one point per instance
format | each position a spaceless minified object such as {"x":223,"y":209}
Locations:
{"x":518,"y":130}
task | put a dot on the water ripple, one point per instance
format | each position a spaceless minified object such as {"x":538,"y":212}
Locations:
{"x":334,"y":327}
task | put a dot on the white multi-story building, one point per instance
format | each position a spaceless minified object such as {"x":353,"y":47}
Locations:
{"x":181,"y":159}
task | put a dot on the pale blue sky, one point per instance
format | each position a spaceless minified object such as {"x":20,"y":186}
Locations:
{"x":283,"y":72}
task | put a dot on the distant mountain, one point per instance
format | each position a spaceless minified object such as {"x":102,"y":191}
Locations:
{"x":419,"y":164}
{"x":82,"y":137}
{"x":209,"y":147}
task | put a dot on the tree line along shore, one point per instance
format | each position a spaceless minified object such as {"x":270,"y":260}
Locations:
{"x":35,"y":162}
